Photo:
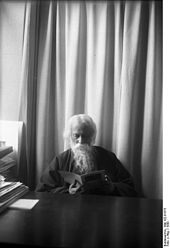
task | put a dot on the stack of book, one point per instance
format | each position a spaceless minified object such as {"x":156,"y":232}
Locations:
{"x":8,"y":162}
{"x":10,"y":189}
{"x":4,"y":150}
{"x":10,"y":192}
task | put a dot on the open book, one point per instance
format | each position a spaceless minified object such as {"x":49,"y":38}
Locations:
{"x":71,"y":177}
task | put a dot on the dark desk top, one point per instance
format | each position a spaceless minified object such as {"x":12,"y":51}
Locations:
{"x":84,"y":221}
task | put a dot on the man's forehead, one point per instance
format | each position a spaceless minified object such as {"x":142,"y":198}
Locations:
{"x":78,"y":126}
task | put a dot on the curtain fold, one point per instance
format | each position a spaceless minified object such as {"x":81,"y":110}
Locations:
{"x":103,"y":59}
{"x":28,"y":95}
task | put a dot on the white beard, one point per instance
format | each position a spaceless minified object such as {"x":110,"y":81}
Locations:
{"x":84,"y":158}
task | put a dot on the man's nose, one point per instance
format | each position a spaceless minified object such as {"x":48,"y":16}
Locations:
{"x":80,"y":140}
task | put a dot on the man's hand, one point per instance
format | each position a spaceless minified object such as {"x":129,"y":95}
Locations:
{"x":74,"y":187}
{"x":105,"y":187}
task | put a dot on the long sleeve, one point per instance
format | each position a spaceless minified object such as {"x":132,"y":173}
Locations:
{"x":123,"y":185}
{"x":122,"y":181}
{"x":51,"y":178}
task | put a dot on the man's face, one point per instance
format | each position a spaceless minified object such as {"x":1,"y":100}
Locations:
{"x":81,"y":134}
{"x":81,"y":137}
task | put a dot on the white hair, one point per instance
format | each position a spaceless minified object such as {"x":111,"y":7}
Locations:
{"x":82,"y":119}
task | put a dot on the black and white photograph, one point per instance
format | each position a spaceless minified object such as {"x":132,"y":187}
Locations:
{"x":81,"y":124}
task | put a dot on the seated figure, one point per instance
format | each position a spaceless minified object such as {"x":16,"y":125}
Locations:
{"x":84,"y":158}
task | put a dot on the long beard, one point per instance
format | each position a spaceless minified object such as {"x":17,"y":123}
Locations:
{"x":84,"y":158}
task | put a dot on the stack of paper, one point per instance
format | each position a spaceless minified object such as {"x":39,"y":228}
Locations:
{"x":10,"y":192}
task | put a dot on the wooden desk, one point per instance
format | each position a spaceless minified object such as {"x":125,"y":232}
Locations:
{"x":84,"y":221}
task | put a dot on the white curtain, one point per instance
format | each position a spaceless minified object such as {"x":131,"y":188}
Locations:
{"x":100,"y":58}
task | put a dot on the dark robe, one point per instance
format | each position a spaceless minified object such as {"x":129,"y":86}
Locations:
{"x":52,"y":181}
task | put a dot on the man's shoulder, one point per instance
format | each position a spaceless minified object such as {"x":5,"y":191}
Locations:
{"x":64,"y":159}
{"x":105,"y":152}
{"x":102,"y":149}
{"x":64,"y":154}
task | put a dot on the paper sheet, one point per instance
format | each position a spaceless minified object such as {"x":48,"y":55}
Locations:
{"x":24,"y":204}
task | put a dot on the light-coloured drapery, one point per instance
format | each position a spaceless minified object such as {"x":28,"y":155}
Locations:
{"x":100,"y":58}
